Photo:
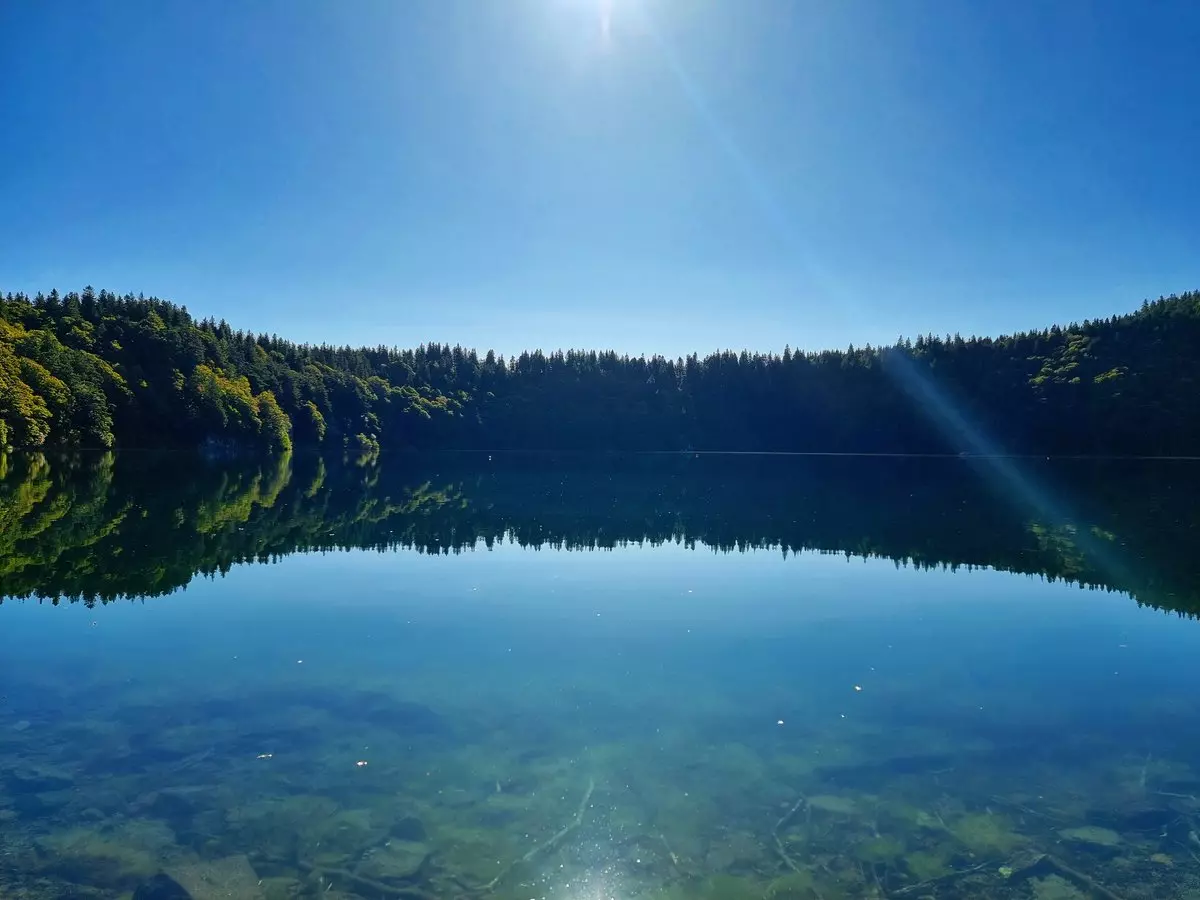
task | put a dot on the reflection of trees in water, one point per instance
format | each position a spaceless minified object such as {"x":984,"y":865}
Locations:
{"x":100,"y":526}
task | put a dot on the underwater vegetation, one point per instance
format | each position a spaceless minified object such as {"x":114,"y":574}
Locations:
{"x":270,"y":800}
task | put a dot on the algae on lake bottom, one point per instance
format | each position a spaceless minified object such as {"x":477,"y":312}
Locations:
{"x":212,"y":815}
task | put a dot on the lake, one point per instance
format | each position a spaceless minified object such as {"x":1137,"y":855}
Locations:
{"x":599,"y":678}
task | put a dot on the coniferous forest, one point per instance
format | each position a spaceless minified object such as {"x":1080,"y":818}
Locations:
{"x":95,"y":369}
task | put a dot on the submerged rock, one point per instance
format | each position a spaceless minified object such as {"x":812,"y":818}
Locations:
{"x":1092,"y":834}
{"x":644,"y":856}
{"x":344,"y":834}
{"x":161,"y":887}
{"x":219,"y":879}
{"x":829,"y":803}
{"x":36,"y":780}
{"x":174,"y":804}
{"x":734,"y":852}
{"x":1143,"y":816}
{"x":118,"y":859}
{"x":1055,"y":887}
{"x":409,"y":828}
{"x":793,"y":886}
{"x":395,"y":861}
{"x":273,"y":826}
{"x":986,"y":833}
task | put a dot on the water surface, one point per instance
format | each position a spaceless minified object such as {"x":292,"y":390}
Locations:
{"x":474,"y":677}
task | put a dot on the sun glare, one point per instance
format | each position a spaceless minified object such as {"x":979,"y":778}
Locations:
{"x":600,"y":13}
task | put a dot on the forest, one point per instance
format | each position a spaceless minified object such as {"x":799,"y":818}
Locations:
{"x":93,"y":369}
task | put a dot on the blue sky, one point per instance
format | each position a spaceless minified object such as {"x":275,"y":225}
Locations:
{"x":650,"y":175}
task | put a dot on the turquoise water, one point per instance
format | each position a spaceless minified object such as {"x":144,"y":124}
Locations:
{"x":371,"y":701}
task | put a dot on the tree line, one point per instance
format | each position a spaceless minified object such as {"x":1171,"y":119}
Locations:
{"x":99,"y":370}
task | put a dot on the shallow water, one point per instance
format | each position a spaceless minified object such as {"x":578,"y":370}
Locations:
{"x":470,"y":677}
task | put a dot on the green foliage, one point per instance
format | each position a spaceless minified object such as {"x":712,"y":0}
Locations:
{"x":276,"y":426}
{"x":77,"y":388}
{"x":95,"y":369}
{"x":24,"y":414}
{"x":310,"y":424}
